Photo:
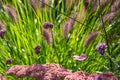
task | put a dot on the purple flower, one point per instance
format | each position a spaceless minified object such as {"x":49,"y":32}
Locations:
{"x":101,"y":48}
{"x":47,"y":25}
{"x":8,"y":61}
{"x":2,"y":31}
{"x":37,"y":49}
{"x":80,"y":58}
{"x":98,"y":78}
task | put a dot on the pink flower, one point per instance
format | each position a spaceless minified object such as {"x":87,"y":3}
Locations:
{"x":80,"y":58}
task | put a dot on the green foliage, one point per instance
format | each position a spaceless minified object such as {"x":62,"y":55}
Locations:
{"x":22,"y":36}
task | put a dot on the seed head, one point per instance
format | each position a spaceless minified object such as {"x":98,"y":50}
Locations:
{"x":68,"y":25}
{"x":11,"y":12}
{"x":90,"y":37}
{"x":39,"y":3}
{"x":47,"y":35}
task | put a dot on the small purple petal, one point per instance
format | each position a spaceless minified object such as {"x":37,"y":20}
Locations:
{"x":80,"y":58}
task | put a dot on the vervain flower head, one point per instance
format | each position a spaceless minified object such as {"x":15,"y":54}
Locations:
{"x":37,"y":49}
{"x":47,"y":25}
{"x":101,"y":48}
{"x":8,"y":61}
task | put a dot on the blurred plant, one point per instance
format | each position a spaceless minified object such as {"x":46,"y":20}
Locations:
{"x":87,"y":25}
{"x":11,"y":12}
{"x":91,"y":37}
{"x":8,"y":61}
{"x":37,"y":49}
{"x":46,"y":33}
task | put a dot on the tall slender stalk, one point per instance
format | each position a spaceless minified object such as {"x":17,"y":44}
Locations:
{"x":106,"y":38}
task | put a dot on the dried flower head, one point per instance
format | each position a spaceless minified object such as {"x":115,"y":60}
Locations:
{"x":70,"y":3}
{"x":11,"y":12}
{"x":90,"y":37}
{"x":47,"y":35}
{"x":47,"y":25}
{"x":2,"y":32}
{"x":1,"y":25}
{"x":37,"y":49}
{"x":108,"y":17}
{"x":80,"y":58}
{"x":101,"y":48}
{"x":115,"y":6}
{"x":39,"y":3}
{"x":68,"y":25}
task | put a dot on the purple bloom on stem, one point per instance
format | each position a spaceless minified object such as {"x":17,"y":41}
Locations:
{"x":80,"y":58}
{"x":47,"y":25}
{"x":101,"y":48}
{"x":37,"y":49}
{"x":8,"y":61}
{"x":2,"y":31}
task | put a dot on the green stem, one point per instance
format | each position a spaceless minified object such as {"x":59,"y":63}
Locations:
{"x":106,"y":38}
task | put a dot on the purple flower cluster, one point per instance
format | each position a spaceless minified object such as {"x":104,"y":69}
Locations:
{"x":47,"y":25}
{"x":101,"y":48}
{"x":37,"y":49}
{"x":8,"y":61}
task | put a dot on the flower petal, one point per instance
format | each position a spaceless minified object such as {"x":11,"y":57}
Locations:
{"x":80,"y":58}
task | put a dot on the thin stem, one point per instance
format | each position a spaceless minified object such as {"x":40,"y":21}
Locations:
{"x":106,"y":38}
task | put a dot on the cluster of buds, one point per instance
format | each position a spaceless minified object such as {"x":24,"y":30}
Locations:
{"x":101,"y":48}
{"x":8,"y":61}
{"x":37,"y":49}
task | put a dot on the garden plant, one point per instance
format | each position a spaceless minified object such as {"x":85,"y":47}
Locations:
{"x":57,"y":39}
